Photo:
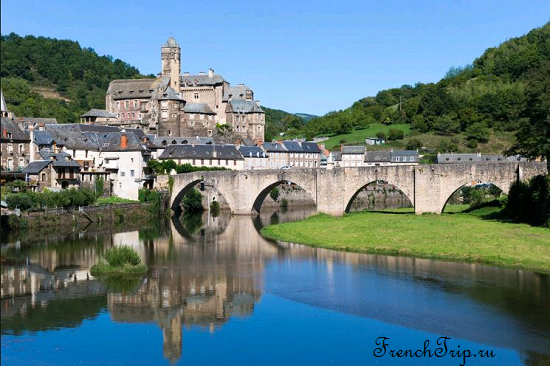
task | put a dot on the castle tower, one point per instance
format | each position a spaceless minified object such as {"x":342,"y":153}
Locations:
{"x":170,"y":54}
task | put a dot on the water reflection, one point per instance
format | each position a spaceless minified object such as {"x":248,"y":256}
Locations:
{"x":203,"y":274}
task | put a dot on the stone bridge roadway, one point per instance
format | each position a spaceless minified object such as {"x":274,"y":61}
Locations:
{"x":427,"y":186}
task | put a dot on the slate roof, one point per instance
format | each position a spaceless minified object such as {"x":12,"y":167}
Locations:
{"x":201,"y":80}
{"x":48,"y":155}
{"x":97,"y":128}
{"x":235,"y":92}
{"x":72,"y":136}
{"x":197,"y":108}
{"x":378,"y":156}
{"x":36,"y":166}
{"x":159,"y":141}
{"x":28,"y":121}
{"x":310,"y":147}
{"x":353,"y":149}
{"x":469,"y":158}
{"x":17,"y":134}
{"x":228,"y":152}
{"x":43,"y":138}
{"x":293,"y":146}
{"x":245,"y":106}
{"x":110,"y":141}
{"x":404,"y":154}
{"x":99,"y":113}
{"x":171,"y":42}
{"x":252,"y":152}
{"x":169,"y":94}
{"x":136,"y":131}
{"x":136,"y":88}
{"x":273,"y":147}
{"x":66,"y":163}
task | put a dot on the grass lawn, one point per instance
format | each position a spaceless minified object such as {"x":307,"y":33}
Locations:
{"x":359,"y":136}
{"x":456,"y":236}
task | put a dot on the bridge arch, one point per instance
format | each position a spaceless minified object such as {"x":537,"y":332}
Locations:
{"x":448,"y":194}
{"x":176,"y":200}
{"x":358,"y":188}
{"x":264,"y":192}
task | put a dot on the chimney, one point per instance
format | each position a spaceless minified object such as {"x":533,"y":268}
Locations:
{"x":214,"y":152}
{"x":201,"y":73}
{"x":186,"y":74}
{"x":258,"y":103}
{"x":210,"y":72}
{"x":31,"y":145}
{"x":123,"y":141}
{"x":5,"y":133}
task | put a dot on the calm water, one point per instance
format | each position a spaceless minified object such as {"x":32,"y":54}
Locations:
{"x":217,"y":293}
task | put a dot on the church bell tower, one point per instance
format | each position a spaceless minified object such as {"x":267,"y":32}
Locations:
{"x":170,"y":54}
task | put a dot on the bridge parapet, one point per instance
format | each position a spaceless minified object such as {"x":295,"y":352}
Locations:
{"x":427,"y":186}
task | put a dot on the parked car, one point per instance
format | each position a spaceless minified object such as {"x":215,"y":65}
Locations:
{"x":286,"y":167}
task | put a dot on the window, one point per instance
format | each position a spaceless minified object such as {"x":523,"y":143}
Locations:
{"x":131,"y":173}
{"x":126,"y":104}
{"x":397,"y":158}
{"x":118,"y":105}
{"x":135,"y":103}
{"x":139,"y":115}
{"x":21,"y":162}
{"x":43,"y":177}
{"x":10,"y":164}
{"x":132,"y":160}
{"x":10,"y":148}
{"x":234,"y":162}
{"x":21,"y":150}
{"x":196,"y":95}
{"x":122,"y":174}
{"x":169,"y":133}
{"x":86,"y":153}
{"x":164,"y":114}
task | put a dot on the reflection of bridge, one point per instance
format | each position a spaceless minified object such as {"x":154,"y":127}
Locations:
{"x":427,"y":186}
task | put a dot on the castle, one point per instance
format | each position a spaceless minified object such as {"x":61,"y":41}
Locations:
{"x":181,"y":105}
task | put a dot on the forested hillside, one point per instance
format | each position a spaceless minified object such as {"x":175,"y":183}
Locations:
{"x":72,"y":77}
{"x":494,"y":94}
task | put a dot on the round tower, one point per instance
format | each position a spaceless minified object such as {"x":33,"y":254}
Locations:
{"x":170,"y":54}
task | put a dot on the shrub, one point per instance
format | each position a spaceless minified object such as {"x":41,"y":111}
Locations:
{"x":192,"y":201}
{"x":284,"y":203}
{"x":274,"y":194}
{"x":472,"y":144}
{"x":122,"y":256}
{"x":99,"y":187}
{"x":22,"y":201}
{"x":395,"y":134}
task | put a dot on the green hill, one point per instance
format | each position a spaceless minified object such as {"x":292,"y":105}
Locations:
{"x":46,"y":77}
{"x":476,"y":107}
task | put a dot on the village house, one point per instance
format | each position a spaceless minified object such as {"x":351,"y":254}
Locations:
{"x":15,"y":149}
{"x":278,"y":155}
{"x":226,"y":156}
{"x":352,"y":156}
{"x":475,"y":158}
{"x":54,"y":170}
{"x":99,"y":116}
{"x":254,"y":157}
{"x":398,"y":157}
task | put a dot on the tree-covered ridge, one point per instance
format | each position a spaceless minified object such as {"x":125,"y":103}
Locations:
{"x":492,"y":93}
{"x":78,"y":74}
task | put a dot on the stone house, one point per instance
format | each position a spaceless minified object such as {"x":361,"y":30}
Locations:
{"x":226,"y":156}
{"x":15,"y":147}
{"x":475,"y":158}
{"x":53,"y":171}
{"x":99,"y":116}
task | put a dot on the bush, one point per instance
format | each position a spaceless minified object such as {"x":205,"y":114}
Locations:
{"x":122,"y":256}
{"x":274,"y":194}
{"x":22,"y":201}
{"x":472,"y":144}
{"x":395,"y":134}
{"x":414,"y":144}
{"x":381,"y":135}
{"x":215,"y":208}
{"x":192,"y":201}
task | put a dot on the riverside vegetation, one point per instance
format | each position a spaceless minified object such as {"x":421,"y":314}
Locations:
{"x":122,"y":260}
{"x":487,"y":233}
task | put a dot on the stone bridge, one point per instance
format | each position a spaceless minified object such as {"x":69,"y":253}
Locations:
{"x":428,"y":187}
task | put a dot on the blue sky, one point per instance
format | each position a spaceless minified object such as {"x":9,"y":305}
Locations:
{"x":300,"y":56}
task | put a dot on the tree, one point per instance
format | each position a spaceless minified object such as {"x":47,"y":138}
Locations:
{"x":381,"y":135}
{"x":414,"y":144}
{"x":533,"y":136}
{"x":446,"y":125}
{"x":192,"y":201}
{"x":479,"y":132}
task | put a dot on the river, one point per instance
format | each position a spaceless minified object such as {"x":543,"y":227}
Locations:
{"x":218,"y":293}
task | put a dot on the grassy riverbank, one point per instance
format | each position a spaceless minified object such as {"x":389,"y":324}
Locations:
{"x":469,"y":237}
